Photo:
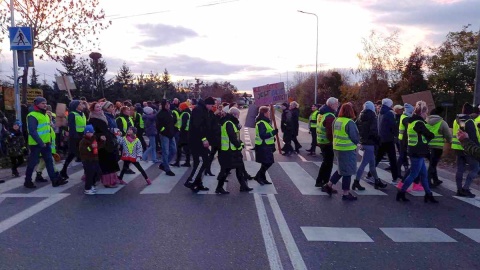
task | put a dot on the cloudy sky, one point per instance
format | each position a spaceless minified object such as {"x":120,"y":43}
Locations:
{"x":255,"y":42}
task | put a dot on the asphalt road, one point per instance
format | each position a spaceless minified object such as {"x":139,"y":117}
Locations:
{"x":289,"y":225}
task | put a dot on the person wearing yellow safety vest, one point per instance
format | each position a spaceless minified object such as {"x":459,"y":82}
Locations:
{"x":264,"y":144}
{"x":418,"y":137}
{"x":39,"y":142}
{"x":312,"y":126}
{"x":177,"y":120}
{"x":138,"y":122}
{"x":325,"y":119}
{"x":76,"y":126}
{"x":132,"y":153}
{"x":230,"y":155}
{"x":345,"y":140}
{"x":402,"y":138}
{"x":124,"y":120}
{"x":183,"y":138}
{"x":443,"y":135}
{"x":466,"y":123}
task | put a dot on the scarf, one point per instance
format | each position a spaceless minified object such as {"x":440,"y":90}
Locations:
{"x":99,"y":115}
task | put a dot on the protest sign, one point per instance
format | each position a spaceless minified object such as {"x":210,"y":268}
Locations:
{"x":269,"y":94}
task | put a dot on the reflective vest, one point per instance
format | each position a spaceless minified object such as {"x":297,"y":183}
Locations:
{"x":226,"y":145}
{"x":80,"y":122}
{"x":54,"y":136}
{"x":438,"y":140}
{"x":130,"y":145}
{"x":124,"y":123}
{"x":43,"y":128}
{"x":456,"y":145}
{"x":258,"y":140}
{"x":141,"y":124}
{"x":187,"y":128}
{"x":413,"y":135}
{"x":401,"y":127}
{"x":178,"y":124}
{"x":321,"y":130}
{"x":313,"y":119}
{"x":341,"y":141}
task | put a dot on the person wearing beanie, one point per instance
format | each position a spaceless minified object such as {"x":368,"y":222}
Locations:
{"x":132,"y":153}
{"x":418,"y":137}
{"x":312,"y":126}
{"x":166,"y":128}
{"x":16,"y":147}
{"x":89,"y":148}
{"x":402,"y":139}
{"x":443,"y":135}
{"x":77,"y":121}
{"x":467,"y":124}
{"x":324,"y":131}
{"x":286,"y":125}
{"x":40,"y":143}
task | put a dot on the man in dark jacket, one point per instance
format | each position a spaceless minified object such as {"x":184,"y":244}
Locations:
{"x":286,"y":126}
{"x":295,"y":124}
{"x":198,"y":142}
{"x":388,"y":129}
{"x":166,"y":127}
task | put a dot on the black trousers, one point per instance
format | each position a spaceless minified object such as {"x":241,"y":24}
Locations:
{"x":287,"y":140}
{"x":196,"y":162}
{"x":389,"y":149}
{"x":435,"y":155}
{"x":92,"y":172}
{"x":313,"y":133}
{"x":327,"y":164}
{"x":297,"y":144}
{"x":136,"y":164}
{"x":73,"y":152}
{"x":262,"y":172}
{"x":140,"y":137}
{"x":186,"y":150}
{"x":16,"y":162}
{"x":239,"y":172}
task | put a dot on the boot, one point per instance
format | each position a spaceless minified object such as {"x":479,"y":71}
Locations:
{"x":188,"y":183}
{"x":244,"y":187}
{"x":221,"y":191}
{"x":259,"y":179}
{"x":379,"y":184}
{"x":29,"y":184}
{"x":63,"y":173}
{"x":356,"y":185}
{"x":39,"y":178}
{"x":429,"y":198}
{"x":401,"y":196}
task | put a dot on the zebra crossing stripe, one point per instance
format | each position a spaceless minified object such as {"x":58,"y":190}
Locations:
{"x":302,"y":179}
{"x":332,"y":234}
{"x":127,"y":178}
{"x":163,"y":184}
{"x":211,"y":181}
{"x":48,"y":190}
{"x":252,"y":168}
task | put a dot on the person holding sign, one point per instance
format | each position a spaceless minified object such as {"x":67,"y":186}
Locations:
{"x":264,"y":144}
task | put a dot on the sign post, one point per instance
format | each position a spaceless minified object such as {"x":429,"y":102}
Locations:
{"x":268,"y":95}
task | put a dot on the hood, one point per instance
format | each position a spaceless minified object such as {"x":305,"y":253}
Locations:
{"x":433,"y":119}
{"x":408,"y":109}
{"x":385,"y":109}
{"x":325,"y":109}
{"x":369,"y":106}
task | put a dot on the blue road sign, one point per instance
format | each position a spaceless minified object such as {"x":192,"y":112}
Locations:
{"x":21,"y":38}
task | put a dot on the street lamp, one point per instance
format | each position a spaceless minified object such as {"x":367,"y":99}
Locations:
{"x":316,"y":54}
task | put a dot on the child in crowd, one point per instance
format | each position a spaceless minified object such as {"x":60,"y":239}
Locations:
{"x":88,"y":149}
{"x":132,"y":153}
{"x":16,"y":147}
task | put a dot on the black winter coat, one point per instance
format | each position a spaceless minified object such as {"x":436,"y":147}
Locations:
{"x":264,"y":152}
{"x":165,"y":123}
{"x":108,"y":155}
{"x":295,"y":121}
{"x":368,"y":128}
{"x":421,"y":149}
{"x":286,"y":124}
{"x":388,"y":126}
{"x":183,"y":132}
{"x":15,"y":143}
{"x":213,"y":137}
{"x":199,"y":128}
{"x":231,"y":159}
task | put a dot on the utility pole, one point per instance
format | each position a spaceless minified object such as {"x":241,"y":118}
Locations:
{"x":15,"y":69}
{"x":476,"y":93}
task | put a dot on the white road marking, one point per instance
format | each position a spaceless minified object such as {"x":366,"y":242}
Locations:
{"x":292,"y":249}
{"x":48,"y":190}
{"x":163,"y":183}
{"x":302,"y":179}
{"x":331,"y":234}
{"x":253,"y":167}
{"x":211,"y":181}
{"x":12,"y":184}
{"x":473,"y":201}
{"x":2,"y":199}
{"x":268,"y":238}
{"x":473,"y":234}
{"x":19,"y":217}
{"x":424,"y":235}
{"x":101,"y":190}
{"x":302,"y":158}
{"x":24,"y":195}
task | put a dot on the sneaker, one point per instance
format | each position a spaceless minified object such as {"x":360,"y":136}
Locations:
{"x":349,"y":197}
{"x":89,"y":192}
{"x":170,"y":173}
{"x":94,"y":188}
{"x":417,"y":187}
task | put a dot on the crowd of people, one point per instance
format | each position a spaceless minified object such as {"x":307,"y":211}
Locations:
{"x":100,"y":132}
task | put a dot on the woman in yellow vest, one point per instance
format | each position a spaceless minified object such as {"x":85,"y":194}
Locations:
{"x":76,"y":126}
{"x":418,"y":137}
{"x":345,"y":140}
{"x":264,"y":144}
{"x":443,"y":135}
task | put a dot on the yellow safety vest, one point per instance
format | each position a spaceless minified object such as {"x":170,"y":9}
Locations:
{"x":456,"y":145}
{"x":438,"y":140}
{"x":341,"y":141}
{"x":313,"y":119}
{"x":413,"y":135}
{"x":401,"y":127}
{"x":80,"y":122}
{"x":178,"y":124}
{"x":226,"y":145}
{"x":130,"y":145}
{"x":124,"y":123}
{"x":321,"y":130}
{"x":141,"y":124}
{"x":187,"y":128}
{"x":43,"y":128}
{"x":258,"y":140}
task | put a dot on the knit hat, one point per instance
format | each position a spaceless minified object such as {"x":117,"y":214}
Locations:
{"x":183,"y":106}
{"x":209,"y":101}
{"x":148,"y":110}
{"x":369,"y":106}
{"x":408,"y":109}
{"x":89,"y":129}
{"x":134,"y":129}
{"x":387,"y":102}
{"x":39,"y":100}
{"x":74,"y":104}
{"x":106,"y":105}
{"x":467,"y":108}
{"x":398,"y":107}
{"x":18,"y":123}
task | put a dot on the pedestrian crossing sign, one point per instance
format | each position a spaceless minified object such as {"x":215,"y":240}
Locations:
{"x":21,"y":38}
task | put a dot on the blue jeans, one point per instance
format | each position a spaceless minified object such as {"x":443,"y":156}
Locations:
{"x":33,"y":158}
{"x":152,"y":147}
{"x":368,"y":158}
{"x":417,"y":168}
{"x":169,"y":150}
